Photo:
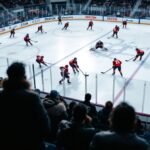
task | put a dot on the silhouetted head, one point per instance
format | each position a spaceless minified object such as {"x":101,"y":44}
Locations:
{"x":54,"y":94}
{"x":87,"y":97}
{"x":123,"y":118}
{"x":16,"y":71}
{"x":79,"y":113}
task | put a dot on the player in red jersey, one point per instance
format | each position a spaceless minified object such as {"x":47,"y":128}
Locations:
{"x":139,"y":53}
{"x":65,"y":26}
{"x":12,"y":33}
{"x":124,"y":24}
{"x":74,"y":65}
{"x":40,"y":29}
{"x":65,"y":74}
{"x":117,"y":65}
{"x":115,"y":31}
{"x":90,"y":25}
{"x":40,"y":60}
{"x":27,"y":40}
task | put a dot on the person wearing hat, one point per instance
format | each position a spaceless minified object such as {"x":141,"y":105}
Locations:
{"x":56,"y":110}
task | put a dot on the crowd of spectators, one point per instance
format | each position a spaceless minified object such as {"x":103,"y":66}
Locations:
{"x":38,"y":8}
{"x":29,"y":122}
{"x":114,"y":3}
{"x":21,"y":3}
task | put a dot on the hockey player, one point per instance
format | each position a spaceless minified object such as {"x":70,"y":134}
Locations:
{"x":65,"y":74}
{"x":40,"y":29}
{"x":117,"y":65}
{"x":59,"y":20}
{"x":139,"y":53}
{"x":27,"y":40}
{"x":12,"y":33}
{"x":90,"y":25}
{"x":99,"y":44}
{"x":40,"y":60}
{"x":124,"y":23}
{"x":74,"y":65}
{"x":65,"y":26}
{"x":115,"y":31}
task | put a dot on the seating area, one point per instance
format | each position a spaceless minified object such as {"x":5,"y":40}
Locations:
{"x":114,"y":3}
{"x":21,"y":3}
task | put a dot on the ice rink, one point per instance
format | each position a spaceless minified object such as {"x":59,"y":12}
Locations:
{"x":60,"y":46}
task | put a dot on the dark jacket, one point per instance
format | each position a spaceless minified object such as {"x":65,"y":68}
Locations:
{"x":75,"y":137}
{"x":115,"y":141}
{"x":24,"y":121}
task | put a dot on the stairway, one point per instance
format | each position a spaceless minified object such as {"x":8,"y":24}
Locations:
{"x":86,"y":5}
{"x":136,"y":6}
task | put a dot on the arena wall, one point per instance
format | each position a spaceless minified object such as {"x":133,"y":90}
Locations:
{"x":70,"y":17}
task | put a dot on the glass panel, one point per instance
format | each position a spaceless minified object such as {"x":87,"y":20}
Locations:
{"x":146,"y":108}
{"x":105,"y":86}
{"x":134,"y":93}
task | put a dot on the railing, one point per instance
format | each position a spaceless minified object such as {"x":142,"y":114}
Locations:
{"x":102,"y":87}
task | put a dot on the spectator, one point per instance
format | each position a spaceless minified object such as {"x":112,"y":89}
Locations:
{"x":139,"y":127}
{"x":75,"y":135}
{"x":122,"y":136}
{"x":91,"y":109}
{"x":103,"y":115}
{"x":1,"y":82}
{"x":70,"y":109}
{"x":57,"y":111}
{"x":24,"y":121}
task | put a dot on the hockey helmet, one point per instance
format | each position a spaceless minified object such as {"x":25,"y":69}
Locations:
{"x":66,"y":66}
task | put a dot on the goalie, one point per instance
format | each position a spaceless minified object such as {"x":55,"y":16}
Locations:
{"x":100,"y":45}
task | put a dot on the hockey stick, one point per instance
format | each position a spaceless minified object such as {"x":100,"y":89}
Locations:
{"x":83,"y":72}
{"x":48,"y":63}
{"x":130,"y":59}
{"x":34,"y":41}
{"x":92,"y":49}
{"x":106,"y":70}
{"x":104,"y":49}
{"x":109,"y":37}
